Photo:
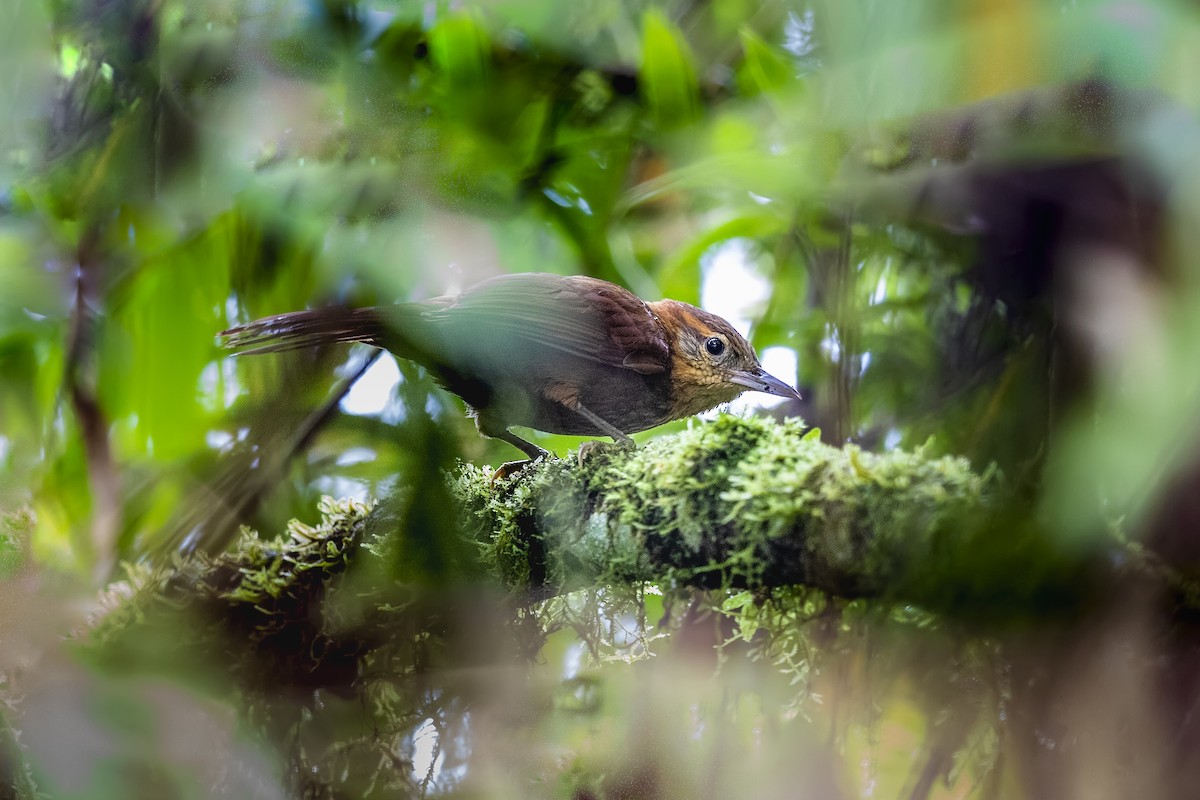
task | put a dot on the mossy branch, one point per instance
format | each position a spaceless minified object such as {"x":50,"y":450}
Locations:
{"x":747,"y":503}
{"x":736,"y":503}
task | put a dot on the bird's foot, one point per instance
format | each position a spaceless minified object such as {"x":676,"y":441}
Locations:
{"x":510,"y":469}
{"x":595,"y":447}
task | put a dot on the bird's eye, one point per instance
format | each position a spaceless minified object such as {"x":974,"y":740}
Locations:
{"x":714,"y":346}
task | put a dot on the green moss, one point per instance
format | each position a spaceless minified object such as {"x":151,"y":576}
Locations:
{"x":16,"y":528}
{"x":736,"y":502}
{"x":256,"y":602}
{"x":268,"y":570}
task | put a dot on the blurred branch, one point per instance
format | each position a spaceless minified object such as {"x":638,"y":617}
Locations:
{"x":104,"y":480}
{"x":1028,"y":176}
{"x":212,"y":516}
{"x":1088,"y":118}
{"x":833,"y":292}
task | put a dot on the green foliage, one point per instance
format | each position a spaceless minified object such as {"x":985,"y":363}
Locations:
{"x":764,"y":69}
{"x":668,"y":76}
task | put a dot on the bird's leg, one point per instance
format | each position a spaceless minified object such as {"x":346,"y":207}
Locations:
{"x":497,"y":430}
{"x":588,"y":448}
{"x":528,"y":448}
{"x":605,"y":427}
{"x":567,"y":395}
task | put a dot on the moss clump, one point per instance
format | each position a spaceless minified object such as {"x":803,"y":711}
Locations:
{"x":744,"y":502}
{"x":259,"y":605}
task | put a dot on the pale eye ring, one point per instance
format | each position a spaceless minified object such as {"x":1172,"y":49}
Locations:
{"x":714,"y":346}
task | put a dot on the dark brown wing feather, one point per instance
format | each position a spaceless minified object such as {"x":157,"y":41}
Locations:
{"x":535,"y":313}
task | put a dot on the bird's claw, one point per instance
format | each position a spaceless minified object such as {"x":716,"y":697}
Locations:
{"x":510,"y":469}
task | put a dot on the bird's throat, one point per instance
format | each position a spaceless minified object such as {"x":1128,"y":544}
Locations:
{"x":688,"y":400}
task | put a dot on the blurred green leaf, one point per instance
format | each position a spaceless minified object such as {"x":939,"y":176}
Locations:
{"x":668,"y":76}
{"x":460,"y":47}
{"x":763,"y":69}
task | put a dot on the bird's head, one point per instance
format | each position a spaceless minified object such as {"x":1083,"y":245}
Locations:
{"x":711,"y":363}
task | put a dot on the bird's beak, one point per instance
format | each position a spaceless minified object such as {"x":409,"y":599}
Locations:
{"x":761,"y":381}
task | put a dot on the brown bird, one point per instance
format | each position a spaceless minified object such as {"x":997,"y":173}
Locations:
{"x":572,"y":355}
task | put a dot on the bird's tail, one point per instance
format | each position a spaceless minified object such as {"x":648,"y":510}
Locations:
{"x":301,"y":329}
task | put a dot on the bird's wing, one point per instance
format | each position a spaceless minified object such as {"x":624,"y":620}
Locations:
{"x":536,"y":313}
